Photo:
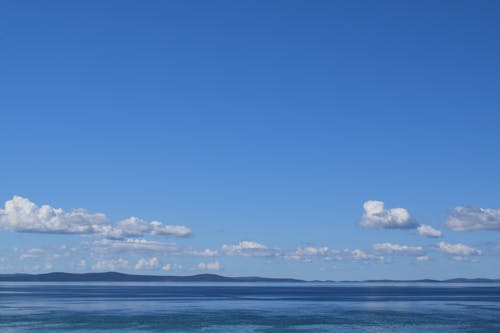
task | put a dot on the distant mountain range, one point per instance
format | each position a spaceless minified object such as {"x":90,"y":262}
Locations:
{"x":456,"y":280}
{"x":122,"y":277}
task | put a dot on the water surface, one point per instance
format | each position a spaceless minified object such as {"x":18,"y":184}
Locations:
{"x":253,"y":307}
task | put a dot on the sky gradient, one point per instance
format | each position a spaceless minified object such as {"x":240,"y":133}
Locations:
{"x":318,"y":140}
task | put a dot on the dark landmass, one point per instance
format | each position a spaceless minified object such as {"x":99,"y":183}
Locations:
{"x":456,"y":280}
{"x":122,"y":277}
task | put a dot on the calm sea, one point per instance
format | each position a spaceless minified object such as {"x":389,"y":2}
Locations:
{"x":269,"y":308}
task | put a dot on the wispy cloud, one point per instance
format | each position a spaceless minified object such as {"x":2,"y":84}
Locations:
{"x":143,"y":246}
{"x":358,"y":254}
{"x":458,"y":249}
{"x":31,"y":253}
{"x":250,"y":249}
{"x":110,"y":265}
{"x":132,"y":245}
{"x":308,"y":253}
{"x":203,"y":253}
{"x":396,"y":249}
{"x":22,"y":215}
{"x":464,"y":259}
{"x":422,"y":258}
{"x":473,"y":218}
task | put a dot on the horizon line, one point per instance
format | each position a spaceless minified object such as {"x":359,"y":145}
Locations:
{"x":229,"y":278}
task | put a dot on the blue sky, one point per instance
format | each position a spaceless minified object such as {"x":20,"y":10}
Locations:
{"x":263,"y":136}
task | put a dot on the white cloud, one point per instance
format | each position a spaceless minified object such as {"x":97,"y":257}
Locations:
{"x":422,"y":258}
{"x":146,"y":247}
{"x":31,"y":253}
{"x":42,"y":267}
{"x":133,"y":245}
{"x":151,"y":263}
{"x":306,"y":254}
{"x":297,"y":258}
{"x":211,"y":266}
{"x":49,"y":253}
{"x":313,"y":251}
{"x":358,"y":254}
{"x":170,"y":267}
{"x":136,"y":227}
{"x":251,"y":245}
{"x":395,"y":248}
{"x":463,"y":259}
{"x":377,"y":216}
{"x":428,"y":231}
{"x":82,"y":263}
{"x":21,"y":215}
{"x":110,"y":265}
{"x":249,"y":249}
{"x":458,"y":249}
{"x":204,"y":253}
{"x":472,"y":218}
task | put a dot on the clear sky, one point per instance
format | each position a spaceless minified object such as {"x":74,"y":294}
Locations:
{"x":310,"y":139}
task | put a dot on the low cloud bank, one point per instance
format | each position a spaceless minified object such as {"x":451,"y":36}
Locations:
{"x":22,"y":215}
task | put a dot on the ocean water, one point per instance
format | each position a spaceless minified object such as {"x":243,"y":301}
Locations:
{"x":265,"y":308}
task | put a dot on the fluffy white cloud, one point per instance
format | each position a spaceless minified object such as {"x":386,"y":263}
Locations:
{"x":151,"y":263}
{"x":458,"y":249}
{"x":21,"y":215}
{"x":211,"y":266}
{"x":422,"y":258}
{"x":428,"y":231}
{"x":249,"y":249}
{"x":110,"y":265}
{"x":396,"y":249}
{"x":377,"y":216}
{"x":472,"y":218}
